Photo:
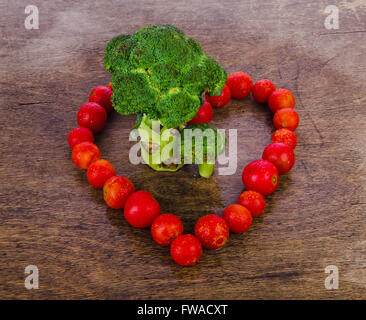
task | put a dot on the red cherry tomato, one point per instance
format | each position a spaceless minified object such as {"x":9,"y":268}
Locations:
{"x":141,"y":209}
{"x":280,"y":99}
{"x":110,"y":85}
{"x":240,"y":84}
{"x":238,"y":218}
{"x":285,"y":136}
{"x":260,"y":176}
{"x":221,"y":100}
{"x":253,"y":201}
{"x":203,"y":115}
{"x":99,"y":172}
{"x":93,"y":116}
{"x":102,"y":95}
{"x":286,"y":118}
{"x":165,"y":228}
{"x":186,"y":250}
{"x":84,"y":154}
{"x":212,"y":231}
{"x":281,"y":155}
{"x":116,"y":190}
{"x":262,"y":89}
{"x":79,"y":135}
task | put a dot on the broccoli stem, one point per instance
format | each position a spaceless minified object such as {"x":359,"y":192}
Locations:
{"x":149,"y":155}
{"x":206,"y":169}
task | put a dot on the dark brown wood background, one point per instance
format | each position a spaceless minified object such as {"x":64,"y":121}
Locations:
{"x":52,"y":218}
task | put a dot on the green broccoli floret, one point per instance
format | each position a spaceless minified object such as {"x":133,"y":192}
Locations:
{"x":160,"y":72}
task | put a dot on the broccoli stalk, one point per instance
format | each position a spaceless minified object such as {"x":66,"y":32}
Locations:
{"x":206,"y":169}
{"x":161,"y":74}
{"x":165,"y":149}
{"x":206,"y":145}
{"x":155,"y":150}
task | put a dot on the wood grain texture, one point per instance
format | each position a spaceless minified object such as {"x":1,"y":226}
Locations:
{"x":52,"y":218}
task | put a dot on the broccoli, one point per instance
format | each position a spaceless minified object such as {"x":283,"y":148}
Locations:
{"x":160,"y":74}
{"x":205,"y":152}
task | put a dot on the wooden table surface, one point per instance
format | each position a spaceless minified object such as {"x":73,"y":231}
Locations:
{"x":52,"y":218}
